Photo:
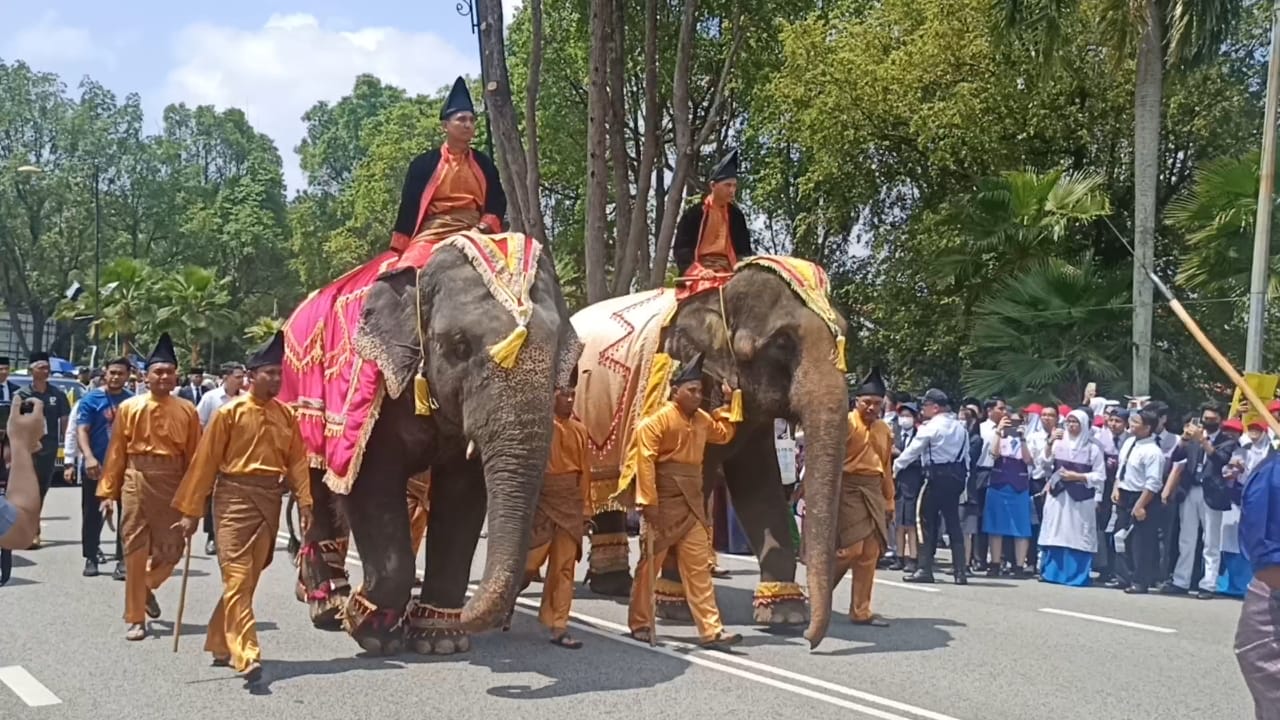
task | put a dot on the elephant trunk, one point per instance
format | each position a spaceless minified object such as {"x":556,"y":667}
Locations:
{"x":514,"y":464}
{"x":822,"y":399}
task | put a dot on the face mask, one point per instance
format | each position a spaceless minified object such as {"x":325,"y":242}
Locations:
{"x":1254,"y":436}
{"x":1211,"y":427}
{"x":906,"y":421}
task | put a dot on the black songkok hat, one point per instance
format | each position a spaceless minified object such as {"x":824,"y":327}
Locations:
{"x":727,"y":169}
{"x":459,"y":100}
{"x":270,"y":353}
{"x":872,"y":384}
{"x":689,"y":372}
{"x":37,"y":356}
{"x":5,"y":361}
{"x":164,"y":353}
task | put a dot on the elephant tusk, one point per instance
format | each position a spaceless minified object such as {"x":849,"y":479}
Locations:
{"x":471,"y":449}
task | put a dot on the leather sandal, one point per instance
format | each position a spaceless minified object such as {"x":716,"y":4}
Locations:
{"x":136,"y":631}
{"x":565,"y":641}
{"x":723,"y":641}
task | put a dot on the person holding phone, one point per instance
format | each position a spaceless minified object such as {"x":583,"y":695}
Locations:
{"x":20,"y":502}
{"x":1007,"y":510}
{"x":1137,"y":506}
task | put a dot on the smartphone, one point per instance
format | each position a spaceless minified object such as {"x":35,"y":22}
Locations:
{"x":27,"y":407}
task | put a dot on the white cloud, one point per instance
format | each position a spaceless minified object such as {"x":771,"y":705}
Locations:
{"x":50,"y":44}
{"x":274,"y":73}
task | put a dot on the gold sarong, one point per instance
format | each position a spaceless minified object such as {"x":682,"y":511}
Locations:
{"x":559,"y":506}
{"x":680,"y":504}
{"x":446,"y":225}
{"x":150,"y":484}
{"x":862,"y":510}
{"x":247,"y":514}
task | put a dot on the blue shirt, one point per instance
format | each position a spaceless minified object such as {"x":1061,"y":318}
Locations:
{"x":97,"y":410}
{"x":1260,"y":515}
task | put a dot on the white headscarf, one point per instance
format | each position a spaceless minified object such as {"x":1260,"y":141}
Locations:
{"x":1081,"y":441}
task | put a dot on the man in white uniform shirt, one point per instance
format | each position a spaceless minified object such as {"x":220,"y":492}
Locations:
{"x":942,"y":445}
{"x":232,"y":382}
{"x":1137,"y":504}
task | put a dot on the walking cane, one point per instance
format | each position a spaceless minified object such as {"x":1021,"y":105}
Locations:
{"x":182,"y":595}
{"x":653,"y":584}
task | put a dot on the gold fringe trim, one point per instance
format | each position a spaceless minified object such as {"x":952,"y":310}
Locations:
{"x":602,"y":496}
{"x":735,"y":407}
{"x":772,"y":593}
{"x":656,"y":391}
{"x":668,"y":591}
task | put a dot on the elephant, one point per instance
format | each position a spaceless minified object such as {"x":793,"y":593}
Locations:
{"x":485,"y":439}
{"x":757,"y":334}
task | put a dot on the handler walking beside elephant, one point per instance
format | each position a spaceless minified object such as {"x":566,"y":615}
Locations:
{"x":671,"y":444}
{"x":253,"y":449}
{"x":563,"y":507}
{"x":153,"y":439}
{"x":866,"y":495}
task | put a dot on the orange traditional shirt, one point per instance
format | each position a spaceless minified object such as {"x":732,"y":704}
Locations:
{"x":868,"y":452}
{"x":714,"y":239}
{"x":569,"y":455}
{"x":148,"y":425}
{"x":246,"y":437}
{"x":459,"y":185}
{"x":669,"y":435}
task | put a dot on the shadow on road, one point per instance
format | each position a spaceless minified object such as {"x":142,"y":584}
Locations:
{"x":902,"y":635}
{"x":164,"y":628}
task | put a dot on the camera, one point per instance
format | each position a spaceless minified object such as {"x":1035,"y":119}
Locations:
{"x":27,"y":407}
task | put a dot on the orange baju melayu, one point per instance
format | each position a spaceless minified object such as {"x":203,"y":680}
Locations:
{"x":671,"y":447}
{"x":253,"y":450}
{"x":866,"y":494}
{"x":153,"y":439}
{"x":418,"y":495}
{"x":715,"y":249}
{"x":563,"y":506}
{"x":452,"y":203}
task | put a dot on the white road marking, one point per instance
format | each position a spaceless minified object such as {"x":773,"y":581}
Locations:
{"x":1109,"y":621}
{"x":697,"y":656}
{"x":905,"y":586}
{"x":27,"y":687}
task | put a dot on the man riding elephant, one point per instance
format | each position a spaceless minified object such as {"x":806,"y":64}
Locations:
{"x":713,"y":235}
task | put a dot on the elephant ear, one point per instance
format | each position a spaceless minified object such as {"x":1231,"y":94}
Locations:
{"x":570,"y":347}
{"x":700,"y":329}
{"x":389,"y":327}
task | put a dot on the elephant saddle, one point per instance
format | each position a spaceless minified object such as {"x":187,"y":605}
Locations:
{"x":335,"y":391}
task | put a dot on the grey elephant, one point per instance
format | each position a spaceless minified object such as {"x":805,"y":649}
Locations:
{"x":770,"y":331}
{"x":485,"y":437}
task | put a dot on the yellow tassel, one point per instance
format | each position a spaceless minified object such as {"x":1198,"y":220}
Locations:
{"x":421,"y":395}
{"x":505,"y":352}
{"x":840,"y":362}
{"x":735,"y":406}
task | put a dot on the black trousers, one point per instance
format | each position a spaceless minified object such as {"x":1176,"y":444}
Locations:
{"x":44,"y":463}
{"x":90,"y":519}
{"x":1139,"y":564}
{"x":940,"y":501}
{"x":208,"y":516}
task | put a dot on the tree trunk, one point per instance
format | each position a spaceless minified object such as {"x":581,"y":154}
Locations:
{"x":523,"y":210}
{"x":533,"y":180}
{"x":623,"y":203}
{"x":635,"y":252}
{"x":1147,"y":100}
{"x":685,"y":151}
{"x":597,"y":142}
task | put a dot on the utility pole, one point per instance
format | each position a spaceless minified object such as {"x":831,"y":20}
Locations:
{"x":97,"y":257}
{"x":1262,"y":224}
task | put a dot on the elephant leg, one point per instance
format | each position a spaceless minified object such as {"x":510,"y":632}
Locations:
{"x":755,"y":488}
{"x":458,"y":497}
{"x":323,"y":583}
{"x":379,"y":518}
{"x":608,"y":561}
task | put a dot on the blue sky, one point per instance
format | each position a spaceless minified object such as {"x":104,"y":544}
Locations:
{"x":274,"y":59}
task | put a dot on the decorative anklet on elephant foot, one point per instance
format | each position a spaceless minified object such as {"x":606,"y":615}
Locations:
{"x":436,"y":631}
{"x":327,"y":602}
{"x":670,"y":602}
{"x":377,"y":631}
{"x":779,"y":603}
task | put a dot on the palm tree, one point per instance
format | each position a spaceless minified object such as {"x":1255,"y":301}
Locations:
{"x":197,"y":308}
{"x":1160,"y":34}
{"x":262,"y":329}
{"x":1049,"y":331}
{"x":128,"y":302}
{"x":1217,"y":214}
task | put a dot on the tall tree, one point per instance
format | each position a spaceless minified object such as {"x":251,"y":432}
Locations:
{"x":1159,"y":34}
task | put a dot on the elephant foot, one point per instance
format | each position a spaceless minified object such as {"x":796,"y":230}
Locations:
{"x":325,"y":597}
{"x":377,"y":632}
{"x":670,"y":602}
{"x":779,"y":603}
{"x":610,"y":584}
{"x":436,"y":631}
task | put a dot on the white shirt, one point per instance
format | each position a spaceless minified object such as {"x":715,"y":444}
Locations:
{"x":987,"y":430}
{"x":70,"y":441}
{"x":1141,"y":466}
{"x":942,"y":439}
{"x":210,"y":403}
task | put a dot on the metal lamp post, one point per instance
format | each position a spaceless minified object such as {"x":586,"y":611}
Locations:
{"x":472,"y":9}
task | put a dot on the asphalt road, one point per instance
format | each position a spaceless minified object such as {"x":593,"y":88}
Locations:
{"x":995,"y":650}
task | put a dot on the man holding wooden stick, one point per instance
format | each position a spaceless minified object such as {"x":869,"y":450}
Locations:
{"x":253,"y":449}
{"x":153,"y":439}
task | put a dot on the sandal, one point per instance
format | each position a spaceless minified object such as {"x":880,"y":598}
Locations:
{"x":565,"y":641}
{"x":153,"y":606}
{"x":722,"y":641}
{"x":641,"y":635}
{"x":136,"y":631}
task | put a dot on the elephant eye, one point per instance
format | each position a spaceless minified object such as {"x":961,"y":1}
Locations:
{"x":454,"y":344}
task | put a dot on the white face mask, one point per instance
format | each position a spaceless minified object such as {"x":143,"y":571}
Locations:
{"x":906,"y":421}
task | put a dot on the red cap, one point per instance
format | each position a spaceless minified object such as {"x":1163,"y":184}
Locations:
{"x":1234,"y":425}
{"x":1063,"y":410}
{"x":1033,"y":409}
{"x":1258,"y":424}
{"x":1274,"y":406}
{"x":1099,"y":421}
